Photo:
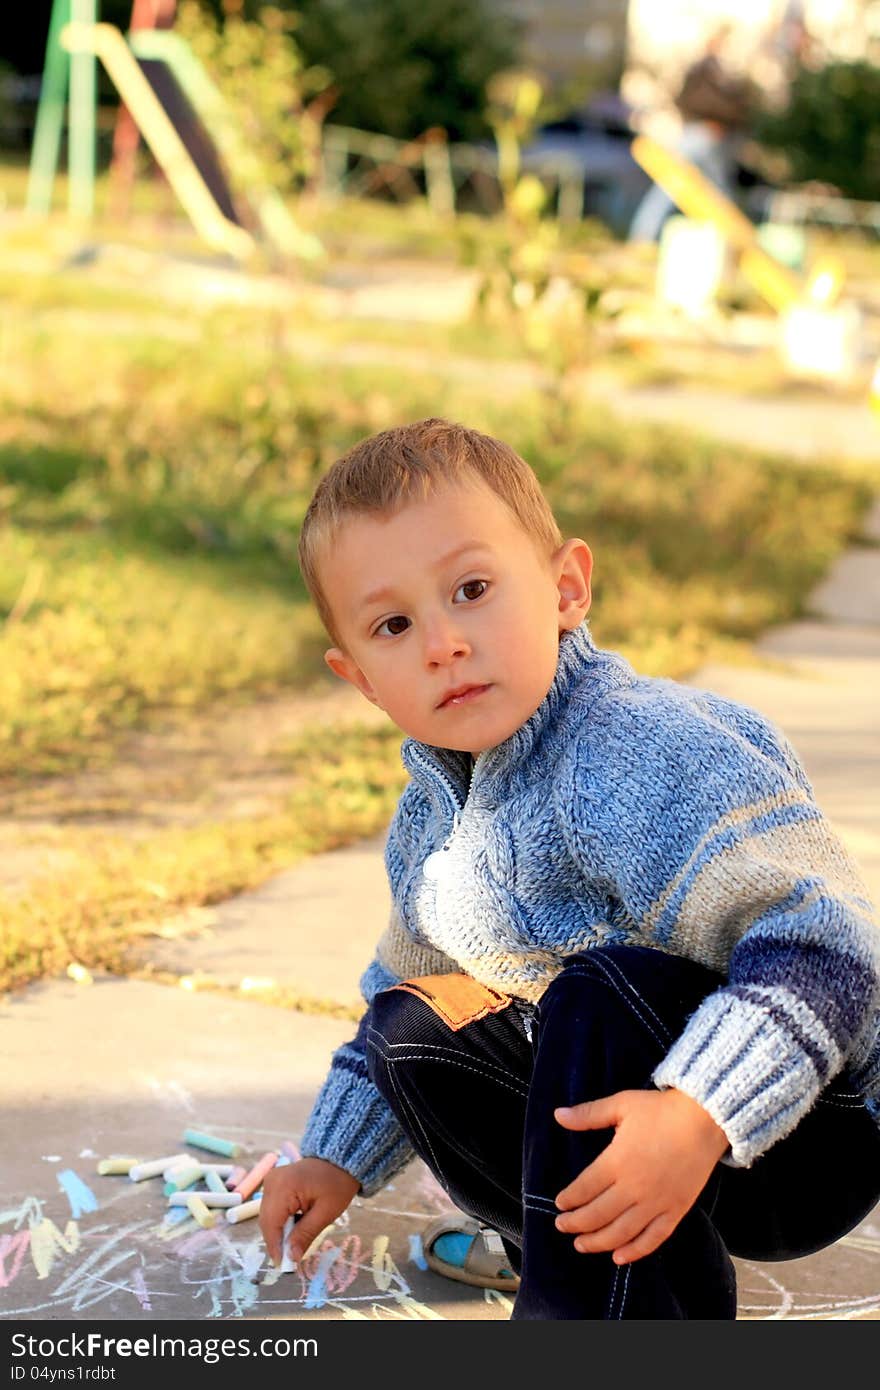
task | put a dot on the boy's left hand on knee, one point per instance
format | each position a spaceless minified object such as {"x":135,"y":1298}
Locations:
{"x":632,"y":1197}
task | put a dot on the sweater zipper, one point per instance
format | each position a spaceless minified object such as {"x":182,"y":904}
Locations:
{"x":457,"y":814}
{"x":458,"y":806}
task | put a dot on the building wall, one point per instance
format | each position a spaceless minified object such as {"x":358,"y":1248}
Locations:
{"x":578,"y":45}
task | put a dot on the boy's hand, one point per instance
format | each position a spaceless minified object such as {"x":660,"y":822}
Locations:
{"x":634,"y":1194}
{"x":318,"y":1189}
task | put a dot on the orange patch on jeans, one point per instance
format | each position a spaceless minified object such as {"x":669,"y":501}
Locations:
{"x":457,"y":999}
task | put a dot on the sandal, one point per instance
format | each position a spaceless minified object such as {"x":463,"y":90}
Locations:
{"x":482,"y":1262}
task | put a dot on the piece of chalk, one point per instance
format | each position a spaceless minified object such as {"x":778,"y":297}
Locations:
{"x":245,"y":1211}
{"x":222,"y":1170}
{"x":187,"y":1161}
{"x":199,"y":1211}
{"x":184,"y":1176}
{"x":210,"y":1199}
{"x":116,"y":1165}
{"x":155,"y":1167}
{"x":288,"y":1263}
{"x":235,"y":1176}
{"x":175,"y":1187}
{"x":251,"y":1181}
{"x":213,"y":1145}
{"x":215,"y":1183}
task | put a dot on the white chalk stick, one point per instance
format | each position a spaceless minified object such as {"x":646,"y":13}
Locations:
{"x":246,"y":1210}
{"x":223,"y":1170}
{"x":288,"y":1264}
{"x":179,"y":1166}
{"x":210,"y":1199}
{"x":155,"y":1168}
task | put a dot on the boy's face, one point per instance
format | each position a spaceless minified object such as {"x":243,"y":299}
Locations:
{"x":449,"y":617}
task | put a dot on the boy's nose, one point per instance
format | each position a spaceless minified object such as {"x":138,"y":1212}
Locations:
{"x":443,"y":643}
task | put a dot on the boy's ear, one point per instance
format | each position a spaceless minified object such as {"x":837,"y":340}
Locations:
{"x":341,"y":665}
{"x":573,"y":566}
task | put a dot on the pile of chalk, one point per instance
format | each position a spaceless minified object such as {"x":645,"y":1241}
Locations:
{"x":198,"y":1189}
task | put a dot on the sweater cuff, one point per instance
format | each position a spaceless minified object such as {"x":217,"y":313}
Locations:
{"x":746,"y":1070}
{"x":352,"y":1126}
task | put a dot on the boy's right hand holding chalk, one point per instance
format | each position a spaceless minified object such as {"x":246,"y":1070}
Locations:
{"x":318,"y":1189}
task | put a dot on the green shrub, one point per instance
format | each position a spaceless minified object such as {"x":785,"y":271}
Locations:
{"x":402,"y":68}
{"x":829,"y":131}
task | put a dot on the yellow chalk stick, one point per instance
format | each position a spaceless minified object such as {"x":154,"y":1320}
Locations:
{"x":245,"y":1211}
{"x":197,"y":1209}
{"x":116,"y":1164}
{"x":184,"y":1175}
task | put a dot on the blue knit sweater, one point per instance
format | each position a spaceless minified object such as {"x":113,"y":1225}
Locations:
{"x":635,"y":810}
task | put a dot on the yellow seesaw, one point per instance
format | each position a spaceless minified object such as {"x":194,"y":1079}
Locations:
{"x":699,"y":199}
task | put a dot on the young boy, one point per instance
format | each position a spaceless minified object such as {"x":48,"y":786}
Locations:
{"x":627,"y":1009}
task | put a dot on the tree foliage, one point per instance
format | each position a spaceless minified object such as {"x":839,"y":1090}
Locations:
{"x":829,"y":129}
{"x":402,"y":67}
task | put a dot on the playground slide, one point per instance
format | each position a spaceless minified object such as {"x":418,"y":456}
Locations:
{"x":195,"y":174}
{"x":154,"y":47}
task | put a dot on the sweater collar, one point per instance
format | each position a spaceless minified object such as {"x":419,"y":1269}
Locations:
{"x":577,"y":655}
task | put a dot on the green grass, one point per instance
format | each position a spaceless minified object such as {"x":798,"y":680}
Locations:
{"x":151,"y":495}
{"x":151,"y":492}
{"x":102,"y":911}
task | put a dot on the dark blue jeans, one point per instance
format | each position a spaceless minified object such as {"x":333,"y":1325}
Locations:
{"x":477,"y":1103}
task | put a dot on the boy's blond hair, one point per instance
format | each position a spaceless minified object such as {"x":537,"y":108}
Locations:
{"x":410,"y":463}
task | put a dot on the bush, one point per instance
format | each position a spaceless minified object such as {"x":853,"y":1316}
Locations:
{"x":402,"y":68}
{"x":830,"y":129}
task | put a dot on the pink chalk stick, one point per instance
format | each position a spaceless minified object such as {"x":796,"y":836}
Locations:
{"x":251,"y":1181}
{"x":235,"y":1177}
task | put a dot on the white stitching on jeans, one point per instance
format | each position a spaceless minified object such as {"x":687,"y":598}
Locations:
{"x":530,"y":1206}
{"x":616,"y":987}
{"x":536,"y":1197}
{"x":485,"y":1065}
{"x":605,"y":964}
{"x":423,"y":1052}
{"x":624,"y":1292}
{"x":416,"y":1122}
{"x":610,"y":1312}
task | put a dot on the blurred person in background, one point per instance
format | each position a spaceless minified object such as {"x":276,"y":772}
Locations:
{"x":714,"y":106}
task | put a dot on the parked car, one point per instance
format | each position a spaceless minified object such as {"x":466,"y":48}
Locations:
{"x":591,"y":150}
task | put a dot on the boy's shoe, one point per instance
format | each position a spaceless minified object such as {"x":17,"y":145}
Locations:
{"x":463,"y":1249}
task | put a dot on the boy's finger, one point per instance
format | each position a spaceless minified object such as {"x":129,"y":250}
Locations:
{"x":273,"y":1214}
{"x":590,"y":1114}
{"x":317,"y":1219}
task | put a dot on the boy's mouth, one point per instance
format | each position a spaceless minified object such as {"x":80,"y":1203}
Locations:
{"x":460,"y":694}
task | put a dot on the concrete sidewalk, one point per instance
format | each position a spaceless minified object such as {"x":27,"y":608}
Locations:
{"x":123,"y":1066}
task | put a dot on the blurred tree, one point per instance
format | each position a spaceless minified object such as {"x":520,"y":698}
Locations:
{"x":402,"y":67}
{"x":829,"y":129}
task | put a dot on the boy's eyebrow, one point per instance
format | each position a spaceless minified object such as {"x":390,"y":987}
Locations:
{"x":375,"y":594}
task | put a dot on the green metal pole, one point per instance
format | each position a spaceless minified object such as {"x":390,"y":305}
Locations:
{"x":50,"y":115}
{"x":81,"y":123}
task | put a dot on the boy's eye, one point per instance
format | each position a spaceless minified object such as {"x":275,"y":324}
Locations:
{"x":395,"y":626}
{"x":472,"y":589}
